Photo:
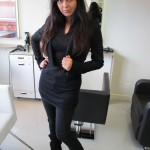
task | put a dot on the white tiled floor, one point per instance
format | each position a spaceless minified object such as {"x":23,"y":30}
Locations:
{"x":32,"y":127}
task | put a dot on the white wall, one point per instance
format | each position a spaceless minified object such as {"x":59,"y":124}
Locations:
{"x":125,"y":28}
{"x":32,"y":14}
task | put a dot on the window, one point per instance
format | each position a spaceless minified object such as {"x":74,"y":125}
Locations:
{"x":8,"y":19}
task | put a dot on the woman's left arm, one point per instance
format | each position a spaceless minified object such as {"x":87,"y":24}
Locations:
{"x":96,"y":53}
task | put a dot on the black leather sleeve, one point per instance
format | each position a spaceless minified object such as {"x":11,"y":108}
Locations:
{"x":96,"y":53}
{"x":35,"y":41}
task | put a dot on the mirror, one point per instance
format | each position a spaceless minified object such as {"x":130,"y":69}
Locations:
{"x":93,"y":7}
{"x":9,"y":19}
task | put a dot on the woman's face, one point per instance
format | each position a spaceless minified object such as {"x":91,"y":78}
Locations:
{"x":67,"y":7}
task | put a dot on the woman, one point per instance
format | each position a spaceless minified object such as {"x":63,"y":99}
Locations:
{"x":60,"y":47}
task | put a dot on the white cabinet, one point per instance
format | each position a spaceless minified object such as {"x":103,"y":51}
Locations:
{"x":22,"y":76}
{"x":93,"y":80}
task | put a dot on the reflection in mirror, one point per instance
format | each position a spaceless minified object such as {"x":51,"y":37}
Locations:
{"x":95,"y":9}
{"x":8,"y":19}
{"x":99,"y":2}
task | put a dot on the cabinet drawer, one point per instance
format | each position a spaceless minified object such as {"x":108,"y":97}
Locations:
{"x":20,"y":58}
{"x":25,"y":94}
{"x":22,"y":77}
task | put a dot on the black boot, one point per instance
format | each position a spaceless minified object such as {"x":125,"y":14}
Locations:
{"x":55,"y":144}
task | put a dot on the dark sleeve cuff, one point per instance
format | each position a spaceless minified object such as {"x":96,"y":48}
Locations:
{"x":75,"y":68}
{"x":39,"y":61}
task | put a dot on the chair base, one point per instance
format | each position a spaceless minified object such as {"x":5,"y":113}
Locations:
{"x":146,"y":148}
{"x":83,"y":129}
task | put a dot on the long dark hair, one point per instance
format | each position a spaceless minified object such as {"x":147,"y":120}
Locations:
{"x":79,"y":22}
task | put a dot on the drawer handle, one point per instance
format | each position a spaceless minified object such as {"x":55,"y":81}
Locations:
{"x":23,"y":93}
{"x":20,"y":57}
{"x":21,"y":64}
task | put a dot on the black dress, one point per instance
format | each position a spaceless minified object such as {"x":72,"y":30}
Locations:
{"x":57,"y":86}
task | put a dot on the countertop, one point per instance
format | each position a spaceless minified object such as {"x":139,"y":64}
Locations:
{"x":18,"y":52}
{"x":31,"y":53}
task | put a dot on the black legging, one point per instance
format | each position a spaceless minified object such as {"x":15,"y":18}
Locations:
{"x":59,"y":124}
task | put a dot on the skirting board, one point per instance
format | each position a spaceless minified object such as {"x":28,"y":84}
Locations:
{"x":120,"y":97}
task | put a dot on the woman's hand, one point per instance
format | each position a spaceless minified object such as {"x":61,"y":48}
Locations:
{"x":44,"y":63}
{"x":67,"y":62}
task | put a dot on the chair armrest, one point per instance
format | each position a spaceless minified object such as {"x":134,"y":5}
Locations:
{"x":106,"y":85}
{"x":142,"y":86}
{"x":7,"y":111}
{"x":144,"y":130}
{"x":6,"y":97}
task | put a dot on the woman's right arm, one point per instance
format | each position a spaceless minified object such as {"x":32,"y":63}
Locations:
{"x":35,"y":41}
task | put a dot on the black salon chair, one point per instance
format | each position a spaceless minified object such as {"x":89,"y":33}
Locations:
{"x":140,"y":112}
{"x":92,"y":108}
